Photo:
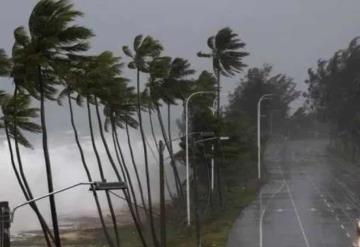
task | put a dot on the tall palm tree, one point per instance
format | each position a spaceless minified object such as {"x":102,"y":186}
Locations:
{"x":118,"y":111}
{"x":72,"y":76}
{"x":167,"y":83}
{"x":52,"y":36}
{"x":17,"y":116}
{"x":19,"y":73}
{"x":98,"y":72}
{"x":84,"y":87}
{"x":144,"y":50}
{"x":226,"y":54}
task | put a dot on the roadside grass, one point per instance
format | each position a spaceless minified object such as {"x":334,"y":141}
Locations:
{"x":215,"y":223}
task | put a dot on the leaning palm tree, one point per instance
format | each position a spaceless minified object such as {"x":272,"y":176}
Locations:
{"x":52,"y":36}
{"x":167,"y":83}
{"x":17,"y":117}
{"x":72,"y":75}
{"x":144,"y":50}
{"x":19,"y":71}
{"x":84,"y":87}
{"x":226,"y":54}
{"x":98,"y":71}
{"x":119,"y":108}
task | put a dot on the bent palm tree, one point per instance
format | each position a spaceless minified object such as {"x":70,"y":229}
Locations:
{"x":226,"y":56}
{"x":167,"y":83}
{"x":144,"y":50}
{"x":52,"y":37}
{"x":17,"y":117}
{"x":71,"y":79}
{"x":98,"y":72}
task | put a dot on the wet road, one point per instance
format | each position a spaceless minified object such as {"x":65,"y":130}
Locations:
{"x":310,"y":200}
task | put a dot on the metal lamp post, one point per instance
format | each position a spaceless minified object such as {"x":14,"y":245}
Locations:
{"x":187,"y":151}
{"x":94,"y":186}
{"x":265,"y":96}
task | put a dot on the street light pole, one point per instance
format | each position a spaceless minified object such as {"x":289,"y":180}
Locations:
{"x":187,"y":152}
{"x":94,"y":186}
{"x":265,"y":96}
{"x":212,"y":156}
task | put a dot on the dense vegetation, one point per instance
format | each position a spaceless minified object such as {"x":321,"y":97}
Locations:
{"x":333,"y":97}
{"x":51,"y":61}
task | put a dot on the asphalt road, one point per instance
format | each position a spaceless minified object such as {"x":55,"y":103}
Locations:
{"x":309,"y":200}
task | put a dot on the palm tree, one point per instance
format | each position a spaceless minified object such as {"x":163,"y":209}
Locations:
{"x":84,"y":88}
{"x":226,"y":54}
{"x":72,"y":76}
{"x":144,"y":50}
{"x":19,"y":73}
{"x":147,"y":103}
{"x":52,"y":36}
{"x":119,"y":108}
{"x":98,"y":72}
{"x":167,"y":83}
{"x":17,"y":115}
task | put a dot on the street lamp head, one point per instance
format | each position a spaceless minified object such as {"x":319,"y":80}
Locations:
{"x":268,"y":95}
{"x":224,"y":138}
{"x":108,"y":186}
{"x":207,"y":134}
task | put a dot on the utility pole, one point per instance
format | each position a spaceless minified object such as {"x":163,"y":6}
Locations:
{"x":4,"y":224}
{"x":162,"y":196}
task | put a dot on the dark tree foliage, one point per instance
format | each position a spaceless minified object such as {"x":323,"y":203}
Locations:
{"x":334,"y":94}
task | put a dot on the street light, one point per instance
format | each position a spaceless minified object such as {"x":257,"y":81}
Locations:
{"x":95,"y":186}
{"x":263,"y":97}
{"x":221,"y":138}
{"x":187,"y":151}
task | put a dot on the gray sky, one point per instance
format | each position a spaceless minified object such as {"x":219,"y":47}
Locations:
{"x":289,"y":34}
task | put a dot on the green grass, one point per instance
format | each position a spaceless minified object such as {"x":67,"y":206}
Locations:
{"x":215,"y":227}
{"x":216,"y":223}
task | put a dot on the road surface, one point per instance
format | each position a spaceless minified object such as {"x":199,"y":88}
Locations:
{"x":309,"y":200}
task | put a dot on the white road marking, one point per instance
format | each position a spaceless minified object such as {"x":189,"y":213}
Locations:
{"x":263,"y":213}
{"x":332,"y":210}
{"x":297,"y":215}
{"x":295,"y":209}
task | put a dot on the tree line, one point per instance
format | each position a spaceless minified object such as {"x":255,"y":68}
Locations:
{"x":333,"y":95}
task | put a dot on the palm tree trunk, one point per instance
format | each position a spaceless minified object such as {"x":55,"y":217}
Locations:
{"x":47,"y":161}
{"x":171,"y":146}
{"x":126,"y":174}
{"x":45,"y":229}
{"x":127,"y":196}
{"x":135,"y":168}
{"x":102,"y":176}
{"x":42,"y":221}
{"x":152,"y":129}
{"x":151,"y":216}
{"x":28,"y":194}
{"x":169,"y":127}
{"x":88,"y":174}
{"x":173,"y":165}
{"x":162,"y":196}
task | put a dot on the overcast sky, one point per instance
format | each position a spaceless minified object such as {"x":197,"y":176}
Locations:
{"x":289,"y":34}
